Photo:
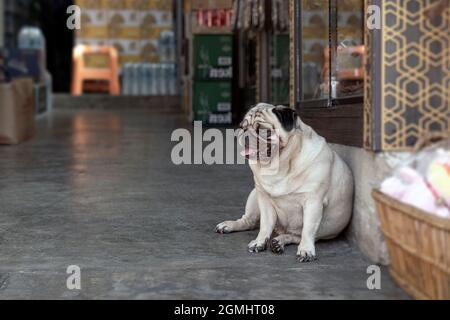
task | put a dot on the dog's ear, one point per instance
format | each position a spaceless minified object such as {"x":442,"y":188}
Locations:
{"x":287,"y":117}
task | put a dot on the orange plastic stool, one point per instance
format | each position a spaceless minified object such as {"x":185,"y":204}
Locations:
{"x":82,"y":73}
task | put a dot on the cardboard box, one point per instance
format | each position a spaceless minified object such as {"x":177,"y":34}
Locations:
{"x":16,"y":111}
{"x":213,"y":57}
{"x":212,"y":102}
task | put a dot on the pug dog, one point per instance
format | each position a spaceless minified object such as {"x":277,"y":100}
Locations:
{"x":310,"y":195}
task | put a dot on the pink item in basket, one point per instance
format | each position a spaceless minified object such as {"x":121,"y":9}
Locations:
{"x":409,"y":187}
{"x":393,"y":187}
{"x":397,"y":186}
{"x":418,"y":195}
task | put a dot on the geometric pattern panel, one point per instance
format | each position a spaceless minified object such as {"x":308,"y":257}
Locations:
{"x":415,"y":78}
{"x":369,"y":88}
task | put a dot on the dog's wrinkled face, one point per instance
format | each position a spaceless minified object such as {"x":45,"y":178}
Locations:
{"x":266,"y":130}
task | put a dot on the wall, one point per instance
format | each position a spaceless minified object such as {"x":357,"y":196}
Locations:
{"x":406,"y":96}
{"x":132,"y":26}
{"x":369,"y":170}
{"x":2,"y":27}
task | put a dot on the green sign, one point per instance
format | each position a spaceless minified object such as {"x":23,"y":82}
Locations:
{"x":212,"y":102}
{"x":213,"y":55}
{"x":280,"y":65}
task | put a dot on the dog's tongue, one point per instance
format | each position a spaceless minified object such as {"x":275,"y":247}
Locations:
{"x":248,"y":152}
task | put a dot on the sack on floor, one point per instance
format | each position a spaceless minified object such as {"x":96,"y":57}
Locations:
{"x":16,"y":111}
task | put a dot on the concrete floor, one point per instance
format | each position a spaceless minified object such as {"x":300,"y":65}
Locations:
{"x":97,"y":189}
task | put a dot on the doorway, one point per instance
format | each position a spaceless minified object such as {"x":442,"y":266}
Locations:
{"x":60,"y":40}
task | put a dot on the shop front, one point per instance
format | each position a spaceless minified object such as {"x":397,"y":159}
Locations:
{"x":372,"y":92}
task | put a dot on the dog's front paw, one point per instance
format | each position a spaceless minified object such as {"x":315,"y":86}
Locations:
{"x":224,"y":227}
{"x":306,"y":253}
{"x":255,"y":246}
{"x":306,"y":256}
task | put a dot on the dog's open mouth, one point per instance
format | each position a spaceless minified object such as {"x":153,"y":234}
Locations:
{"x":258,"y":146}
{"x":249,"y":152}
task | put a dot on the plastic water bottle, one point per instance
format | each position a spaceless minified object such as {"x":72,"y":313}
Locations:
{"x":162,"y":47}
{"x":173,"y":48}
{"x":169,"y":79}
{"x":166,"y":44}
{"x":164,"y":77}
{"x":130,"y":79}
{"x":169,"y":83}
{"x":126,"y":79}
{"x":173,"y":80}
{"x":153,"y":79}
{"x":143,"y":80}
{"x":31,"y":38}
{"x":135,"y":79}
{"x":149,"y":77}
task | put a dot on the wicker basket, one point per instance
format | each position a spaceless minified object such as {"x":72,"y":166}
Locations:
{"x":419,"y":248}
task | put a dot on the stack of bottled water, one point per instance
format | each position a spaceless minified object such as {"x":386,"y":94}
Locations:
{"x":149,"y":79}
{"x":33,"y":38}
{"x":167,"y":47}
{"x":153,"y":79}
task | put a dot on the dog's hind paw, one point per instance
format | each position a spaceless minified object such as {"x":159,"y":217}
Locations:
{"x":306,"y":256}
{"x":256,"y":247}
{"x":276,"y":247}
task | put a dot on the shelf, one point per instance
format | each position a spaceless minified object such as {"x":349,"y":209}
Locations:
{"x":211,"y":4}
{"x":211,"y":30}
